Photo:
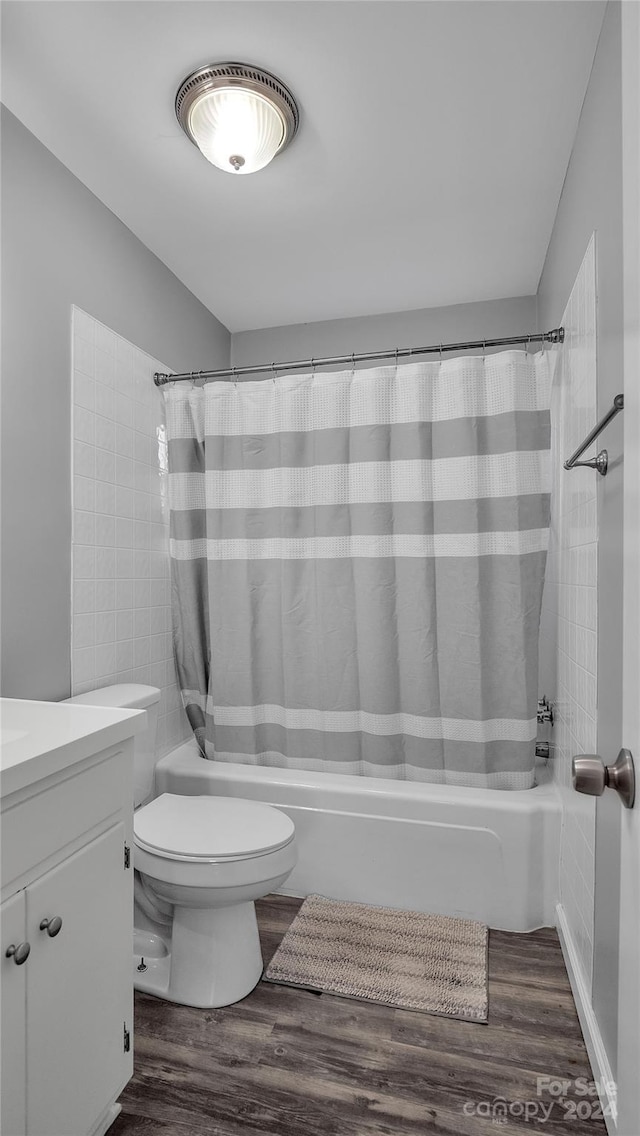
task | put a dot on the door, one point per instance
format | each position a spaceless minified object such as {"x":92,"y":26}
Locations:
{"x":629,"y":958}
{"x":12,"y":1028}
{"x":80,"y":990}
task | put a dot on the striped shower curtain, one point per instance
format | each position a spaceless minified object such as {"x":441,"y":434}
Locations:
{"x":357,"y":567}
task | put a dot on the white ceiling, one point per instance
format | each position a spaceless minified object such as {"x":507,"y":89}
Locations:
{"x":433,"y":144}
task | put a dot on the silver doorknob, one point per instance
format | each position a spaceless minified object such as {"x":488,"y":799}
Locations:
{"x":19,"y":953}
{"x":52,"y":926}
{"x":591,"y":776}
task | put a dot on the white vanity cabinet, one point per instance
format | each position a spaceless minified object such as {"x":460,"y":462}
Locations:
{"x":66,"y":927}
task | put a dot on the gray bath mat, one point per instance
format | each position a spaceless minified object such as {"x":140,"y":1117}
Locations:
{"x":432,"y":963}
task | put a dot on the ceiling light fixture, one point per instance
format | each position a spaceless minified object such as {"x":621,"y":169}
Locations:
{"x":239,"y":116}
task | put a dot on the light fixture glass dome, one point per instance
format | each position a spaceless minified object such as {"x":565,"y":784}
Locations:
{"x":239,"y":116}
{"x":239,"y":131}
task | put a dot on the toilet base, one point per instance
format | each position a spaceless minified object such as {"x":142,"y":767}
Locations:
{"x":214,"y":960}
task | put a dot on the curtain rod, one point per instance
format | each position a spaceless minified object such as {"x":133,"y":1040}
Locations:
{"x":555,"y":336}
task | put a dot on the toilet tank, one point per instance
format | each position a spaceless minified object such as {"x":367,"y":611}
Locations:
{"x":133,"y":696}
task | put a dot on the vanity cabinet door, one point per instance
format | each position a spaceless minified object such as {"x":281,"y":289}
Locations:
{"x":80,"y":988}
{"x":13,"y":977}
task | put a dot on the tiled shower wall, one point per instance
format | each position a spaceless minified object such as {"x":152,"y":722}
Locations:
{"x":568,"y":635}
{"x":121,"y":621}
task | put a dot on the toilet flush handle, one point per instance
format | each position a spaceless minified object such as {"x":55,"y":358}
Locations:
{"x":591,"y":776}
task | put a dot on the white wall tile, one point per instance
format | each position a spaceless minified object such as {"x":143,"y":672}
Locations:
{"x":141,"y":562}
{"x":105,"y":366}
{"x":142,"y":624}
{"x":84,"y":630}
{"x":85,"y":393}
{"x":84,"y":527}
{"x":105,"y":339}
{"x":105,"y":627}
{"x":570,"y":602}
{"x":105,"y":433}
{"x":124,"y":654}
{"x":105,"y":660}
{"x":84,"y":493}
{"x":105,"y":499}
{"x":124,"y":595}
{"x":124,"y":471}
{"x":124,"y":533}
{"x":105,"y":595}
{"x":121,"y":596}
{"x":124,"y":560}
{"x":105,"y":526}
{"x":83,"y":356}
{"x":124,"y":501}
{"x":141,"y":593}
{"x":84,"y":596}
{"x":84,"y":663}
{"x":125,"y":623}
{"x":106,"y":466}
{"x":84,"y":326}
{"x":84,"y":458}
{"x":85,"y":426}
{"x":84,"y":561}
{"x":104,"y":400}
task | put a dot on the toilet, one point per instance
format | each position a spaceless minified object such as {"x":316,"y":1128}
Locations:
{"x":200,"y":863}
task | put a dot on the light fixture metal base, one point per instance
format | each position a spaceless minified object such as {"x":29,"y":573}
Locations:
{"x":246,"y":77}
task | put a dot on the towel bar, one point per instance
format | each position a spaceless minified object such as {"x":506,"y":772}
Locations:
{"x":601,"y":460}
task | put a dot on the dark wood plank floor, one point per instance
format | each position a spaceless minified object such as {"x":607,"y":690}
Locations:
{"x":287,"y":1062}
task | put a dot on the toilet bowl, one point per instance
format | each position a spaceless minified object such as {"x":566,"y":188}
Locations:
{"x":209,"y":858}
{"x":200,"y":863}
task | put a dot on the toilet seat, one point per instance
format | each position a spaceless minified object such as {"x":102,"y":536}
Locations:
{"x":210,"y":830}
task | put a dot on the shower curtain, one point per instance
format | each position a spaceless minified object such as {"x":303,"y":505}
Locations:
{"x":357,"y":567}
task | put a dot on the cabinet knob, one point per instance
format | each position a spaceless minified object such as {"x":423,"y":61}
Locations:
{"x":52,"y":926}
{"x":19,"y":953}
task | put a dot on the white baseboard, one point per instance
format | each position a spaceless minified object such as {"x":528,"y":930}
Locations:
{"x":106,"y":1120}
{"x":600,"y":1066}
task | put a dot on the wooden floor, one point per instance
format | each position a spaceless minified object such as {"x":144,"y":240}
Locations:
{"x":287,"y":1062}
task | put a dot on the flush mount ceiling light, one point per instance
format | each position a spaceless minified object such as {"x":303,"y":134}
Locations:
{"x":239,"y":116}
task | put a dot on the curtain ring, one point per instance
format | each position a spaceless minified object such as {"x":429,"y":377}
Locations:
{"x":313,"y":366}
{"x":397,"y":349}
{"x":441,"y":353}
{"x":234,"y":377}
{"x":273,"y":368}
{"x":484,"y":350}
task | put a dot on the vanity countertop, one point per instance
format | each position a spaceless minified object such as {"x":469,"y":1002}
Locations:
{"x":38,"y":739}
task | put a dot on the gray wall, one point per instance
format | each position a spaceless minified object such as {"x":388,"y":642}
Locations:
{"x":487,"y":320}
{"x":62,"y":246}
{"x":592,"y":200}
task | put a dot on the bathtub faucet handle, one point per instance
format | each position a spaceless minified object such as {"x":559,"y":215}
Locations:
{"x":545,"y":710}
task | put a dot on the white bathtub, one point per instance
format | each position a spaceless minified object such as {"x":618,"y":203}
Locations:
{"x":485,"y":854}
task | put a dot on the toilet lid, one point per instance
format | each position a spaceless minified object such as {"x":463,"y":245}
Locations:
{"x":210,"y":828}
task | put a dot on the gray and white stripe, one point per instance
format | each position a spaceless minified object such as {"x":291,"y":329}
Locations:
{"x":357,"y":567}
